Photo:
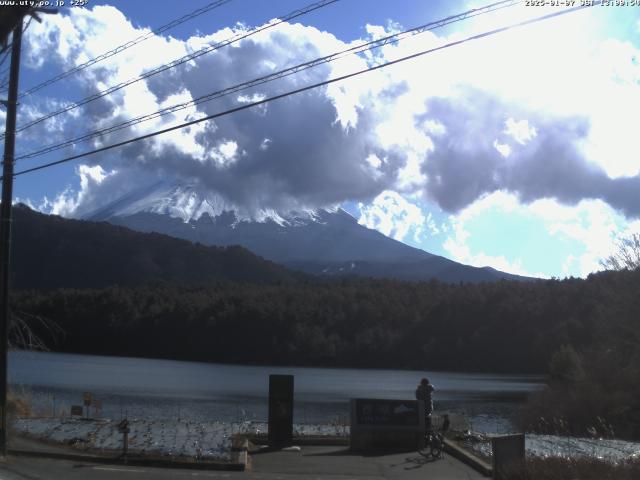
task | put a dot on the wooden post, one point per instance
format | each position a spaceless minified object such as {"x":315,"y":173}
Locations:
{"x":123,"y":426}
{"x":5,"y":225}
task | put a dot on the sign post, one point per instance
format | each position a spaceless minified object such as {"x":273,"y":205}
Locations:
{"x":123,"y":427}
{"x":97,"y":407}
{"x":87,"y":402}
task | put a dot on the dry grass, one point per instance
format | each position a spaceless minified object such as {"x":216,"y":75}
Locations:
{"x":583,"y":410}
{"x":555,"y":468}
{"x":18,"y":404}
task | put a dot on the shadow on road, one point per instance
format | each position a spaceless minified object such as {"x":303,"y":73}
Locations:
{"x":412,"y":463}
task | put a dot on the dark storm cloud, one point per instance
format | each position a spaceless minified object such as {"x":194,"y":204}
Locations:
{"x":298,"y":152}
{"x":308,"y":161}
{"x":465,"y":164}
{"x":292,"y":153}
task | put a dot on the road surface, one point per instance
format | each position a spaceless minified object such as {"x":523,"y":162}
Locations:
{"x":311,"y":463}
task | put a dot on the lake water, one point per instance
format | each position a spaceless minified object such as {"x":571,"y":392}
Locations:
{"x":157,"y":389}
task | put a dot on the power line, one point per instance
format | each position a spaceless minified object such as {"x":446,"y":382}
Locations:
{"x":179,"y":61}
{"x":304,"y":89}
{"x":390,"y":39}
{"x":125,"y":46}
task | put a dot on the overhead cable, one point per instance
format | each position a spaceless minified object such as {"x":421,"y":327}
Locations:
{"x":304,"y":89}
{"x":371,"y":45}
{"x":125,"y":46}
{"x":187,"y":58}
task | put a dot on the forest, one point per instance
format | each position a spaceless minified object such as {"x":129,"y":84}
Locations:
{"x":155,"y":296}
{"x":499,"y":327}
{"x":584,"y":333}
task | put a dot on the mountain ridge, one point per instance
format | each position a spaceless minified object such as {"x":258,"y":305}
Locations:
{"x":323,"y":242}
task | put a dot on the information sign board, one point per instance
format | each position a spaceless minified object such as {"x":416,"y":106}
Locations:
{"x":386,"y":412}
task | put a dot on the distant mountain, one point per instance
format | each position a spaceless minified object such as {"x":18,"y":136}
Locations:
{"x":51,"y":252}
{"x":330,"y":243}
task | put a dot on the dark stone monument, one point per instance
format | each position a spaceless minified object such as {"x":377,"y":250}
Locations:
{"x":508,"y":450}
{"x":280,"y":410}
{"x":381,"y":424}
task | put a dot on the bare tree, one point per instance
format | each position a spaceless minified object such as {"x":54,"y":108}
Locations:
{"x":22,"y":334}
{"x":626,"y":256}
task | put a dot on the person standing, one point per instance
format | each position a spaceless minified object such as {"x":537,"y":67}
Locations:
{"x":424,"y":392}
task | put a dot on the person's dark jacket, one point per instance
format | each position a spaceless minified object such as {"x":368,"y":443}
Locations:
{"x":424,"y":392}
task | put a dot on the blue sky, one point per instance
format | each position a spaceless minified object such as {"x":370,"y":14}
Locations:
{"x":518,"y":151}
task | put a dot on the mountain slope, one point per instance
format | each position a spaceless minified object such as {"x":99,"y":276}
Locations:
{"x":436,"y":267}
{"x":51,"y":252}
{"x":323,"y":243}
{"x":327,"y":237}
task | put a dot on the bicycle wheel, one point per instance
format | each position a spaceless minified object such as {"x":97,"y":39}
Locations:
{"x":436,"y":444}
{"x":436,"y":450}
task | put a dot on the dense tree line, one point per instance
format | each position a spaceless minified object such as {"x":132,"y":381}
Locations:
{"x":503,"y":326}
{"x":593,"y":387}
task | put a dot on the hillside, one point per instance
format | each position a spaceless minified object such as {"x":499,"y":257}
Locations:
{"x":52,"y":252}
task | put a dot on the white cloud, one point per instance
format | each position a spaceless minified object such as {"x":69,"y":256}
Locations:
{"x":294,"y":165}
{"x":391,"y":214}
{"x":503,"y":148}
{"x":67,"y":201}
{"x":374,"y":161}
{"x":430,"y":223}
{"x":520,"y":131}
{"x":455,"y":125}
{"x":591,"y":227}
{"x":256,"y":97}
{"x":226,"y":154}
{"x":593,"y":224}
{"x":461,"y":253}
{"x":265,"y":143}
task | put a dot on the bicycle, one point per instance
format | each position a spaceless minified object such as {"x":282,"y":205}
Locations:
{"x":434,"y":440}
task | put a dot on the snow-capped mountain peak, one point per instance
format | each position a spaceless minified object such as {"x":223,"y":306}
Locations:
{"x":187,"y":203}
{"x":325,"y":242}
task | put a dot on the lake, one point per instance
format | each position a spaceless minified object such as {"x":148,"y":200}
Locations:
{"x":156,"y":389}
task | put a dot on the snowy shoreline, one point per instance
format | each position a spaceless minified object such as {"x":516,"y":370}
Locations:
{"x":545,"y":446}
{"x":172,"y":438}
{"x":182,"y":438}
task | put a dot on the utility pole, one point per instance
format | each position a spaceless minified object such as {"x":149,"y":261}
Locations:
{"x":5,"y":225}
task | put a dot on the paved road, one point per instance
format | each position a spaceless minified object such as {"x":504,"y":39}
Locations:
{"x":311,"y":463}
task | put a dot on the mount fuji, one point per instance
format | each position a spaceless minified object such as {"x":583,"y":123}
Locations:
{"x":324,"y":242}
